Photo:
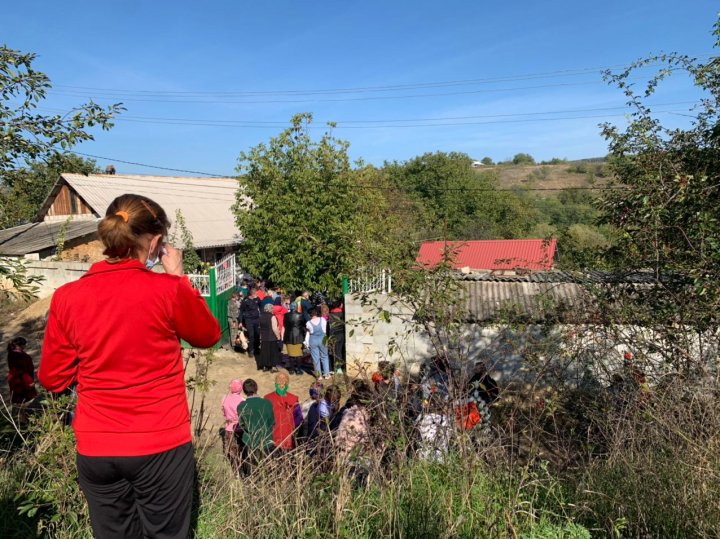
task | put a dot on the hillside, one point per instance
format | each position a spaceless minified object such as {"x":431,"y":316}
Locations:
{"x":561,"y":176}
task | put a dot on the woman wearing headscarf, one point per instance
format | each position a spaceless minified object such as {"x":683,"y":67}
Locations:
{"x":269,"y":337}
{"x":287,"y":412}
{"x":116,"y":333}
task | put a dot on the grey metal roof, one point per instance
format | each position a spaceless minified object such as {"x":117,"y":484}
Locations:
{"x":205,"y":203}
{"x":580,"y":277}
{"x":36,"y":237}
{"x":491,"y":300}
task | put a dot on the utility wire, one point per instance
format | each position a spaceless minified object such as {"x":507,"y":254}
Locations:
{"x":362,"y":89}
{"x":347,"y":99}
{"x":274,"y":123}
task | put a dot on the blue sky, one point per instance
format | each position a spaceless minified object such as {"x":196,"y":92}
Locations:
{"x":398,"y":77}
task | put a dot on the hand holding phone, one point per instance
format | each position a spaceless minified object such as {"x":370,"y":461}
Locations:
{"x":171,"y":259}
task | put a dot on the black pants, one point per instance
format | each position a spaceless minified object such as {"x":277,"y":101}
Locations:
{"x":253,"y":334}
{"x":148,"y":496}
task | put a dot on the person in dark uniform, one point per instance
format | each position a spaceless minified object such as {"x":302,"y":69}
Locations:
{"x":250,"y":320}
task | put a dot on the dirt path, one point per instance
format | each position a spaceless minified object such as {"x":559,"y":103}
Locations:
{"x":227,"y":365}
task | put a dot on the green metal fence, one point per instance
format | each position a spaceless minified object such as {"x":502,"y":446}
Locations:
{"x":217,"y":287}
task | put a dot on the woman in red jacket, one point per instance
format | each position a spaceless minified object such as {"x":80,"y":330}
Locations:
{"x":116,"y":334}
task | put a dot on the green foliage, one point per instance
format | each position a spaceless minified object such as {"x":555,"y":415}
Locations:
{"x":487,"y":161}
{"x":307,"y":218}
{"x":23,"y":285}
{"x":25,"y":189}
{"x":523,"y":159}
{"x":457,"y":202}
{"x":60,"y":241}
{"x":555,"y":161}
{"x":192,"y":263}
{"x":26,"y":136}
{"x":39,"y":493}
{"x":668,"y":195}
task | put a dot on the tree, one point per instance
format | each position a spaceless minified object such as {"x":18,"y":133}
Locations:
{"x":457,"y":202}
{"x":523,"y":159}
{"x":25,"y":189}
{"x":487,"y":161}
{"x":665,"y":203}
{"x":306,"y":217}
{"x":25,"y":135}
{"x":192,"y":263}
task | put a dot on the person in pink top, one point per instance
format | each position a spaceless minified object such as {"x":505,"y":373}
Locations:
{"x":229,"y":407}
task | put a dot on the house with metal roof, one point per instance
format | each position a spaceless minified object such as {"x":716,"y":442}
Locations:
{"x":506,"y":256}
{"x":68,"y":218}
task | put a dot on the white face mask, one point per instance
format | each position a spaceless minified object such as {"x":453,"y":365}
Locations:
{"x":150,"y":263}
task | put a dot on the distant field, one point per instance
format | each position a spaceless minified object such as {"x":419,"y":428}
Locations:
{"x":562,"y":176}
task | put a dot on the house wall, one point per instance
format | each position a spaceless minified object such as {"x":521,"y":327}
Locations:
{"x":67,"y":202}
{"x":518,"y":354}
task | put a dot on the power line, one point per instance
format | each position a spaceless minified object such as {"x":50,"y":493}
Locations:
{"x":338,"y":125}
{"x":149,"y":166}
{"x":363,"y":89}
{"x":347,"y":99}
{"x":274,"y":123}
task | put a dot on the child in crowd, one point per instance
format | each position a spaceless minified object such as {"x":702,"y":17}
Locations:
{"x":256,"y":422}
{"x":21,"y":376}
{"x":311,"y":410}
{"x":230,"y":404}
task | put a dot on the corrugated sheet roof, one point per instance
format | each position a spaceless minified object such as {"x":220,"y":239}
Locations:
{"x":491,"y":300}
{"x":580,"y":277}
{"x":490,"y":255}
{"x":35,"y":237}
{"x":205,"y":202}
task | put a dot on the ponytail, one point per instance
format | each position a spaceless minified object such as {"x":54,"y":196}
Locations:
{"x":127,"y":218}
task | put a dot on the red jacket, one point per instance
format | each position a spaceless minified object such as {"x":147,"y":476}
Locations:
{"x":286,"y":411}
{"x":116,"y":333}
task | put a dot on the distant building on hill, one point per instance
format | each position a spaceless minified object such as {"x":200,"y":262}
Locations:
{"x":496,"y":256}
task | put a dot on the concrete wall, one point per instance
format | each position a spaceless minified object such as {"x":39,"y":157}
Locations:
{"x":55,"y":274}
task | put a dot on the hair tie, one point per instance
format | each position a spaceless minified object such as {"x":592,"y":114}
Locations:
{"x":148,"y":208}
{"x":123,"y":214}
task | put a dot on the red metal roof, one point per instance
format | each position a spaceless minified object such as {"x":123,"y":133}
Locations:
{"x":491,"y":255}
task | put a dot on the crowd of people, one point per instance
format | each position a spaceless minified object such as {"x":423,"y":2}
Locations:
{"x":430,"y":409}
{"x":274,"y":327}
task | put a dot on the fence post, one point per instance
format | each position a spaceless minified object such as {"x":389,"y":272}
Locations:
{"x":345,"y":286}
{"x":213,"y":294}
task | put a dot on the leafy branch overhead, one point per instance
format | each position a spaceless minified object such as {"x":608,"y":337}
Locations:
{"x":25,"y":135}
{"x":28,"y":138}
